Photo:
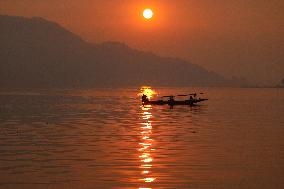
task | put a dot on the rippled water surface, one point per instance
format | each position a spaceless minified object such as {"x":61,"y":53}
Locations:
{"x":104,"y":138}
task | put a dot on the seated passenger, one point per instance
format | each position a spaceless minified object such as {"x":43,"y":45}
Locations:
{"x":171,"y":100}
{"x":144,"y":98}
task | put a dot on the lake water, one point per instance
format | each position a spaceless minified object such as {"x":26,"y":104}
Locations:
{"x":104,"y":138}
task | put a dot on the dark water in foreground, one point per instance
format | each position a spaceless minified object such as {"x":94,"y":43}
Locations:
{"x":105,"y":139}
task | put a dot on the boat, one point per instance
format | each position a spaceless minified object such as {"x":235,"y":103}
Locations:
{"x":193,"y":100}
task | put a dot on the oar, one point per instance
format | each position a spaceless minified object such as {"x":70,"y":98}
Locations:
{"x":168,"y":96}
{"x":191,"y":94}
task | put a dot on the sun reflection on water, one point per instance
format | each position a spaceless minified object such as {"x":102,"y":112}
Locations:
{"x":146,"y":146}
{"x":146,"y":142}
{"x":146,"y":90}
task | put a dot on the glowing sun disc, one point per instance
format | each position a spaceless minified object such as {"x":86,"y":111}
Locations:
{"x":148,"y":13}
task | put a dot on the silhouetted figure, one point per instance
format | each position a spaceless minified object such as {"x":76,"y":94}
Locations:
{"x":171,"y":100}
{"x":145,"y":98}
{"x":190,"y":100}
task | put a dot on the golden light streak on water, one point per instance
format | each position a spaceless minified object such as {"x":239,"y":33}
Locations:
{"x":146,"y":143}
{"x":147,"y":91}
{"x":148,"y":160}
{"x":145,"y":172}
{"x":149,"y":179}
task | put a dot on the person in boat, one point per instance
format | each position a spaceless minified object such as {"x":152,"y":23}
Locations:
{"x":171,"y":100}
{"x":145,"y":98}
{"x":190,"y":100}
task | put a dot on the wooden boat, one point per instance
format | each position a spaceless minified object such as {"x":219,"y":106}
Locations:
{"x":193,"y":100}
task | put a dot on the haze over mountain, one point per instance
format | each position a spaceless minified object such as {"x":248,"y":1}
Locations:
{"x":36,"y":53}
{"x":234,"y":38}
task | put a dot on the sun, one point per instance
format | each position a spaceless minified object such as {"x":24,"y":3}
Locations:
{"x":148,"y":14}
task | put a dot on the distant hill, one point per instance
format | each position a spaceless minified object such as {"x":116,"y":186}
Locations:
{"x":36,"y":53}
{"x":281,"y":84}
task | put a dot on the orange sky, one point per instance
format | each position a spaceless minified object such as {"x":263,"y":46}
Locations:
{"x":232,"y":37}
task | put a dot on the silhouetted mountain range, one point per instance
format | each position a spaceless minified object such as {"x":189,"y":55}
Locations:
{"x":36,"y":53}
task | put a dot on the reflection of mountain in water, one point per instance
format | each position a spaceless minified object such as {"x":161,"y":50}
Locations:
{"x":39,"y":53}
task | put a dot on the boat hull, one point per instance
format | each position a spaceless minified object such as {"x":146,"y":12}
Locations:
{"x":175,"y":103}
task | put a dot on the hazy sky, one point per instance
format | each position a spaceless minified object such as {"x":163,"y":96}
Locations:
{"x":232,"y":37}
